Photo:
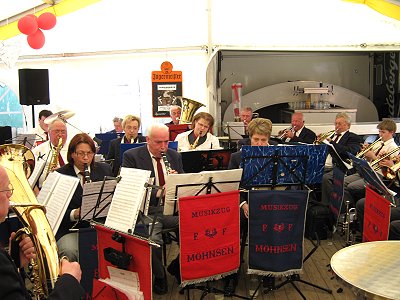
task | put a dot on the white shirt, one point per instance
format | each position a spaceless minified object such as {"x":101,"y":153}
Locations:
{"x":212,"y":142}
{"x":41,"y":135}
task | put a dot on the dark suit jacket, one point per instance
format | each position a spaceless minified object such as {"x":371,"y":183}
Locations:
{"x":97,"y":173}
{"x":349,"y":142}
{"x":114,"y":152}
{"x":13,"y":288}
{"x":140,"y":158}
{"x":306,"y":136}
{"x":234,"y":161}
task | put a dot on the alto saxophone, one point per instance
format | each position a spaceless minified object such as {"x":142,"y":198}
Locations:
{"x":54,"y":158}
{"x":194,"y":145}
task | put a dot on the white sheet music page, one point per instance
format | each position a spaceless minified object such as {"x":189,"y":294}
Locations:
{"x":37,"y":171}
{"x":59,"y":199}
{"x":47,"y":188}
{"x":127,"y":200}
{"x":189,"y":184}
{"x":90,"y":196}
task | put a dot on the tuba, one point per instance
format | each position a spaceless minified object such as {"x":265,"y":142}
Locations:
{"x":189,"y":108}
{"x":323,"y":136}
{"x":19,"y":163}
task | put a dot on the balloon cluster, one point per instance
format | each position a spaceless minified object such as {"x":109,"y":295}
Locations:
{"x":32,"y":25}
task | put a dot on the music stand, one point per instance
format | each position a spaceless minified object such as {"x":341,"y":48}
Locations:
{"x":271,"y":166}
{"x":206,"y":160}
{"x":205,"y":185}
{"x":105,"y":139}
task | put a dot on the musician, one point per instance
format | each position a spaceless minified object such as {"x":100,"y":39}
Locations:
{"x":266,"y":123}
{"x":298,"y":132}
{"x":81,"y":151}
{"x":47,"y":150}
{"x":175,"y":114}
{"x":246,"y":114}
{"x":117,"y":121}
{"x":42,"y":130}
{"x":354,"y":185}
{"x":12,"y":286}
{"x":130,"y":125}
{"x":146,"y":158}
{"x":199,"y":138}
{"x":259,"y":132}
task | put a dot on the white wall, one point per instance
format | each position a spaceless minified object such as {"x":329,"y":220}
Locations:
{"x":99,"y":88}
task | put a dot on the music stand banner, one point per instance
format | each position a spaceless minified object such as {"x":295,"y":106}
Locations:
{"x":209,"y":236}
{"x":283,"y":165}
{"x":336,"y":196}
{"x":276,"y":231}
{"x":376,"y":217}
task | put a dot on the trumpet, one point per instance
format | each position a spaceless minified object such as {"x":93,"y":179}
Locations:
{"x":375,"y":164}
{"x":323,"y":136}
{"x":281,"y":136}
{"x":368,"y":148}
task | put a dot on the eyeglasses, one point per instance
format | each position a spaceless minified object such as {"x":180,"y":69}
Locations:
{"x":83,"y":154}
{"x":9,"y":190}
{"x":59,"y":131}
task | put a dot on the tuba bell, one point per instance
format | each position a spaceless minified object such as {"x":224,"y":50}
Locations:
{"x":189,"y":108}
{"x":19,"y":163}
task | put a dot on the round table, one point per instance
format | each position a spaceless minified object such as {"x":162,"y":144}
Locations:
{"x":372,"y":267}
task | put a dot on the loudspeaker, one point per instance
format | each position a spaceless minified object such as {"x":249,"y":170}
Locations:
{"x":33,"y":86}
{"x":5,"y":135}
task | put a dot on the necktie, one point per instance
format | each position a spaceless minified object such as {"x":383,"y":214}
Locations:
{"x":47,"y":135}
{"x":379,"y":149}
{"x":160,"y":172}
{"x":337,"y":137}
{"x":60,"y":160}
{"x":83,"y":177}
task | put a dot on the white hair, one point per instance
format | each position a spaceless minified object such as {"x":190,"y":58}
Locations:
{"x":155,"y":127}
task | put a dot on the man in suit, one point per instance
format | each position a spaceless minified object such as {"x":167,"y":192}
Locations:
{"x":81,"y":151}
{"x":12,"y":286}
{"x":131,"y":125}
{"x":149,"y":157}
{"x":343,"y":141}
{"x":298,"y":132}
{"x":117,"y":126}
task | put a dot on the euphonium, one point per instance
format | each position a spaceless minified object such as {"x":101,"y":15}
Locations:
{"x":17,"y":159}
{"x":189,"y":108}
{"x":54,"y":157}
{"x":370,"y":147}
{"x":323,"y":136}
{"x":375,"y":164}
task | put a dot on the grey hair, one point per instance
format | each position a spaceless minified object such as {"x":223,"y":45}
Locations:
{"x":156,"y":126}
{"x":344,"y":116}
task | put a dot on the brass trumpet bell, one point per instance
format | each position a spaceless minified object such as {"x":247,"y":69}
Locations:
{"x":189,"y":108}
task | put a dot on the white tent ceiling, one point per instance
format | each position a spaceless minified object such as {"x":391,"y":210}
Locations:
{"x":114,"y":25}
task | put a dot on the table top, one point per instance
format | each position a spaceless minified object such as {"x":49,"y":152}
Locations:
{"x":372,"y":267}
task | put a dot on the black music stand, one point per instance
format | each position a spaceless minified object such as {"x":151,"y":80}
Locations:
{"x":207,"y":187}
{"x":289,"y":165}
{"x":206,"y":160}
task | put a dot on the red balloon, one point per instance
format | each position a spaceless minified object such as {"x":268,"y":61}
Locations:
{"x":47,"y":21}
{"x":28,"y":24}
{"x":36,"y":40}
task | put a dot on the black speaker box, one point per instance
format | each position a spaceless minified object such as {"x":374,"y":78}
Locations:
{"x":5,"y":135}
{"x":33,"y":86}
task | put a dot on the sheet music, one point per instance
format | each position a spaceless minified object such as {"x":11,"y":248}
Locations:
{"x":146,"y":201}
{"x":56,"y":193}
{"x":126,"y":282}
{"x":90,"y":196}
{"x":348,"y":166}
{"x":37,"y":171}
{"x":127,"y":200}
{"x":189,"y":184}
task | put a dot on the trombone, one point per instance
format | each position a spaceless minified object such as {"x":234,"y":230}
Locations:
{"x":368,"y":148}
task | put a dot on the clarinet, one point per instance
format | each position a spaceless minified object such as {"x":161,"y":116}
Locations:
{"x":166,"y":162}
{"x":86,"y":173}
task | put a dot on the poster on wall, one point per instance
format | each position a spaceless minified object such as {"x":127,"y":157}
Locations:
{"x":167,"y":87}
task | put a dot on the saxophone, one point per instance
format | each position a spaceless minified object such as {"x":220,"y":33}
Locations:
{"x":194,"y":145}
{"x":44,"y":269}
{"x":54,"y":158}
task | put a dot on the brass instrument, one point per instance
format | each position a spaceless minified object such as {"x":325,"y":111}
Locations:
{"x":189,"y":108}
{"x":370,"y":147}
{"x":284,"y":132}
{"x":45,"y":268}
{"x":194,"y":145}
{"x":54,"y":158}
{"x":390,"y":173}
{"x":166,"y":162}
{"x":375,"y":164}
{"x":323,"y":136}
